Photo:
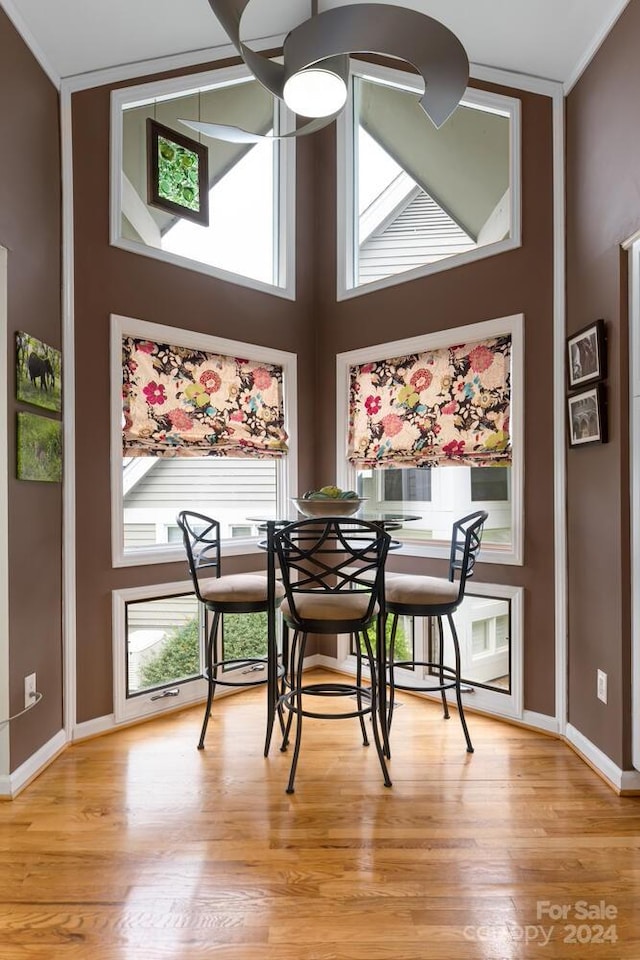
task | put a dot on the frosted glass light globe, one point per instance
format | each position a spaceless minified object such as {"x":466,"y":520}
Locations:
{"x":314,"y":92}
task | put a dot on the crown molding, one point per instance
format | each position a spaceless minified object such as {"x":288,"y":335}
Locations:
{"x":141,"y":68}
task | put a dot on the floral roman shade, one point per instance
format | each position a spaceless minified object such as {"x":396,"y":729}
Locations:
{"x":180,"y":402}
{"x":442,"y":407}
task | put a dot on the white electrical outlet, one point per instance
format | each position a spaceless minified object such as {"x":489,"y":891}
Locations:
{"x":602,"y":686}
{"x":29,"y":690}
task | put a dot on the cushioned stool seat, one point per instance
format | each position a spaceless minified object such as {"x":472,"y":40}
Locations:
{"x":238,"y":588}
{"x":407,"y":589}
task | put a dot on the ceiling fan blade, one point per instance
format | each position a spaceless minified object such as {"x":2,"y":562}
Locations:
{"x":270,"y":74}
{"x":222,"y":131}
{"x":381,"y":28}
{"x":378,"y":28}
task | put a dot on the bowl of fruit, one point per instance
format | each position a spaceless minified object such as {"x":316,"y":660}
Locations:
{"x":329,"y":501}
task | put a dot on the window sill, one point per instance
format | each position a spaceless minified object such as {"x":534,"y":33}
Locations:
{"x":174,"y":553}
{"x":507,"y":555}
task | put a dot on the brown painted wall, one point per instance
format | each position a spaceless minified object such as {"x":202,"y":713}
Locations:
{"x":30,"y":208}
{"x":603,"y":209}
{"x":519,"y":281}
{"x":316,"y":327}
{"x":109,"y":280}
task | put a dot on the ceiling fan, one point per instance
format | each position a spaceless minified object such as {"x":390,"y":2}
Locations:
{"x":312,"y":80}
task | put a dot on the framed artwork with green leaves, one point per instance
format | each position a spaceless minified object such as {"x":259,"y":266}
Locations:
{"x":177,"y":173}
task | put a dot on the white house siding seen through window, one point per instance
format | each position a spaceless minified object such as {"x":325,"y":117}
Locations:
{"x":452,"y":496}
{"x":484,"y":634}
{"x":421,"y":195}
{"x":228,"y":489}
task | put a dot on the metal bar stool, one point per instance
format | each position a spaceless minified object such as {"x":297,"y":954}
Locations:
{"x":232,"y":594}
{"x":332,"y":571}
{"x":421,"y":596}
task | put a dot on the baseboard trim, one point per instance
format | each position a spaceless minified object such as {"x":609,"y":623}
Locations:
{"x":93,"y":728}
{"x":14,"y":783}
{"x":540,"y":721}
{"x":624,"y":782}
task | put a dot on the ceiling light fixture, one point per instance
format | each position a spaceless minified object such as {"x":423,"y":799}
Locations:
{"x":312,"y":80}
{"x":315,"y":92}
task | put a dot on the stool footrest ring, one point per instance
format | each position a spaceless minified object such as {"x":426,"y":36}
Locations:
{"x":252,"y":663}
{"x":327,"y":690}
{"x":451,"y":682}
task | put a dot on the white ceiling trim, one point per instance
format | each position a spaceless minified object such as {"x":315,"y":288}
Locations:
{"x":129,"y":70}
{"x":135,"y":71}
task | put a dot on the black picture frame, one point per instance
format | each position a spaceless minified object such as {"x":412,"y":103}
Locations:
{"x":587,"y":416}
{"x":166,"y":189}
{"x":586,"y":356}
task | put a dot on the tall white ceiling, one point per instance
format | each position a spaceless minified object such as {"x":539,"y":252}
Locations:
{"x":552,"y":39}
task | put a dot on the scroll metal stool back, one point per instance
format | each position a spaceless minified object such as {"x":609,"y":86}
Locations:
{"x":231,"y":594}
{"x":422,"y":596}
{"x":333,"y":577}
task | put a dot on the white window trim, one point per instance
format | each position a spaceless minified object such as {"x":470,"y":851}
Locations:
{"x":346,"y":166}
{"x":286,"y":467}
{"x":285,"y":167}
{"x":509,"y":705}
{"x":126,"y":709}
{"x":191,"y":690}
{"x":346,"y":474}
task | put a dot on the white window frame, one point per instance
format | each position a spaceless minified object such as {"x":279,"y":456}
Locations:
{"x":285,"y":174}
{"x":150,"y":702}
{"x":126,"y":709}
{"x":346,"y":154}
{"x":346,"y":474}
{"x":286,"y":467}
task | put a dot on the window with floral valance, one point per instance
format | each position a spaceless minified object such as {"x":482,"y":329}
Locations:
{"x":440,"y":407}
{"x":182,"y":402}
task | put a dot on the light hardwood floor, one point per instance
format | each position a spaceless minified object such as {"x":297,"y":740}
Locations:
{"x":136,"y":846}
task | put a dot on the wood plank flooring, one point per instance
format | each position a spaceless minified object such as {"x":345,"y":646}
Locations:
{"x":136,"y":846}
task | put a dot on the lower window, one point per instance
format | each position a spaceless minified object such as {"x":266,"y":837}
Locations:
{"x":489,"y":623}
{"x":483,"y":625}
{"x":159,"y":641}
{"x":163,"y":642}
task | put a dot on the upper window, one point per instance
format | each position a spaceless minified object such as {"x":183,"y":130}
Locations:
{"x":160,"y":167}
{"x":432,"y":426}
{"x":415,"y":199}
{"x":198,"y":423}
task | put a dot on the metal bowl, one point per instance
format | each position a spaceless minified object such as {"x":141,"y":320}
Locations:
{"x":328,"y":507}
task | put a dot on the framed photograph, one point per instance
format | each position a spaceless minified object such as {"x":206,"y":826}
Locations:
{"x":39,"y":442}
{"x":38,"y":373}
{"x":586,"y":356}
{"x":177,"y":174}
{"x":587,"y":417}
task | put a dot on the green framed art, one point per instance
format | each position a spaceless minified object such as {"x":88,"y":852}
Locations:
{"x":39,"y":448}
{"x":177,"y":174}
